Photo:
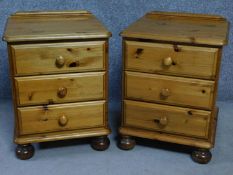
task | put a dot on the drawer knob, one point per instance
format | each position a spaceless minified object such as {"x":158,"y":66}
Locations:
{"x":60,"y":61}
{"x":165,"y":92}
{"x":162,"y":121}
{"x":61,"y":92}
{"x":63,"y":120}
{"x":167,"y":61}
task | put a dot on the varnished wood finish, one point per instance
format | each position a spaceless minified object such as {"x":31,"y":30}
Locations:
{"x":168,"y":119}
{"x":100,"y":143}
{"x":59,"y":70}
{"x":40,"y":26}
{"x":36,"y":59}
{"x":170,"y":79}
{"x":63,"y":135}
{"x":174,"y":138}
{"x":24,"y":152}
{"x":126,"y":142}
{"x":165,"y":137}
{"x":169,"y":90}
{"x":64,"y":117}
{"x":34,"y":90}
{"x":202,"y":156}
{"x":180,"y":27}
{"x":188,"y":61}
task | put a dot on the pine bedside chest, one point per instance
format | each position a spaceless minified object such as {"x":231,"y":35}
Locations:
{"x":59,"y":71}
{"x":170,"y":78}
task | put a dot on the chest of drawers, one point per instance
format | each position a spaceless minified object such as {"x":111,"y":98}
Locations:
{"x":170,"y":78}
{"x":59,"y":72}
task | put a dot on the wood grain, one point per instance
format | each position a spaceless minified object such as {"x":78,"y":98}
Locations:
{"x":36,"y":59}
{"x":182,"y":91}
{"x":43,"y":119}
{"x":182,"y":121}
{"x":180,"y":27}
{"x":171,"y":138}
{"x":188,"y":61}
{"x":191,"y":16}
{"x":51,"y":13}
{"x":59,"y":68}
{"x":37,"y":26}
{"x":179,"y":139}
{"x":171,"y":71}
{"x":62,"y":135}
{"x":35,"y":90}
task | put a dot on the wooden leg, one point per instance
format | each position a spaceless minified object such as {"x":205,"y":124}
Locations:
{"x":100,"y":143}
{"x":126,"y":142}
{"x":202,"y":156}
{"x":24,"y":152}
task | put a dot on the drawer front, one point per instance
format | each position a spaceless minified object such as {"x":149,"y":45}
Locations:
{"x":175,"y":120}
{"x":169,"y":90}
{"x":60,"y":88}
{"x":41,"y":119}
{"x":35,"y":59}
{"x":181,"y":60}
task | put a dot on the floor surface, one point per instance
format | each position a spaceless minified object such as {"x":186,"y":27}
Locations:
{"x":147,"y":158}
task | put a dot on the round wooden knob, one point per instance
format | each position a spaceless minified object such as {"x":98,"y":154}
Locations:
{"x":63,"y":120}
{"x":60,"y":61}
{"x":165,"y":92}
{"x":163,"y":121}
{"x":61,"y":92}
{"x":167,"y":61}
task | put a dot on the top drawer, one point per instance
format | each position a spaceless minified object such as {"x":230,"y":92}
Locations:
{"x":35,"y":59}
{"x":189,"y":61}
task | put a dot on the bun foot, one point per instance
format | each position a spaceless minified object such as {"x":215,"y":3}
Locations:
{"x":202,"y":156}
{"x":24,"y":152}
{"x":126,"y":143}
{"x":100,"y":143}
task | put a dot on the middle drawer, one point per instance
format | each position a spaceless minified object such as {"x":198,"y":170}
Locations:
{"x":60,"y":88}
{"x":169,"y":90}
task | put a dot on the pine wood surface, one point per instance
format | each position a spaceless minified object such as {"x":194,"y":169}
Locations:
{"x":180,"y":27}
{"x":170,"y":77}
{"x":180,"y":91}
{"x":39,"y":26}
{"x":64,"y":117}
{"x":34,"y":90}
{"x":59,"y":69}
{"x":51,"y":58}
{"x":187,"y":61}
{"x":168,"y":119}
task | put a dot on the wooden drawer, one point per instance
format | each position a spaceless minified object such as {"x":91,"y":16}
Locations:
{"x":169,"y":90}
{"x":175,"y":120}
{"x":49,"y":89}
{"x":42,"y":119}
{"x":181,"y":60}
{"x":35,"y":59}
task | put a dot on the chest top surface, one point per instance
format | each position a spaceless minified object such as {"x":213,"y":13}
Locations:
{"x":53,"y":25}
{"x":180,"y":27}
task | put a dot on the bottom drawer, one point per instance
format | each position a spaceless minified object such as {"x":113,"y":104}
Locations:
{"x":170,"y":119}
{"x":42,"y":119}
